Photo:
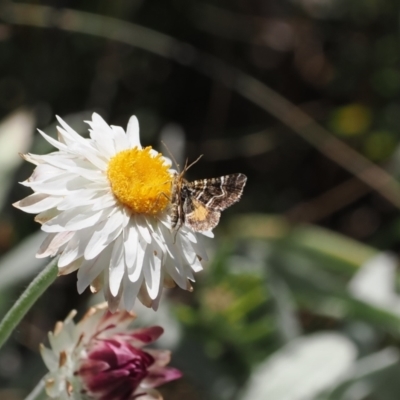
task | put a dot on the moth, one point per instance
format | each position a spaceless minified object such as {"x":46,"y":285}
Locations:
{"x":199,"y":204}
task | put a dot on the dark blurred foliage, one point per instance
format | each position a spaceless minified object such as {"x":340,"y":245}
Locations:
{"x":337,"y":60}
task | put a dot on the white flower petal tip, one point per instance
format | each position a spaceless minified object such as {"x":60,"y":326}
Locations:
{"x":209,"y":234}
{"x":99,"y":348}
{"x":104,"y":202}
{"x":133,"y":132}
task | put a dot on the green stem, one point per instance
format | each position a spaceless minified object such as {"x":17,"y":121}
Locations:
{"x":27,"y":299}
{"x":37,"y":392}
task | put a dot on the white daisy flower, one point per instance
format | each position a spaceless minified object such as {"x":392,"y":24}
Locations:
{"x":105,"y":204}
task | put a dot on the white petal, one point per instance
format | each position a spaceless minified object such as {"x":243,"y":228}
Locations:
{"x":98,"y":120}
{"x":49,"y":358}
{"x":70,"y":267}
{"x":37,"y":203}
{"x":196,"y":265}
{"x":113,"y":301}
{"x":209,"y":234}
{"x":131,"y":245}
{"x":102,"y":135}
{"x":54,"y":142}
{"x":90,"y":153}
{"x":74,"y":219}
{"x":76,"y":143}
{"x":171,"y":246}
{"x":176,"y":272}
{"x":105,"y":201}
{"x":144,"y":297}
{"x":70,"y":134}
{"x":76,"y":246}
{"x":59,"y":340}
{"x":52,"y":243}
{"x":143,"y":228}
{"x":168,"y":163}
{"x":105,"y":233}
{"x":175,"y":262}
{"x":165,"y":219}
{"x":77,"y":198}
{"x":33,"y":158}
{"x":130,"y":292}
{"x":126,"y":216}
{"x":100,"y":162}
{"x":188,"y":272}
{"x":58,"y":186}
{"x":154,"y":153}
{"x":91,"y":269}
{"x":132,"y":132}
{"x":200,"y":251}
{"x":136,"y":271}
{"x":117,"y":266}
{"x":82,"y":220}
{"x":155,"y":234}
{"x":120,"y":138}
{"x":105,"y":185}
{"x":75,"y":166}
{"x":47,"y":215}
{"x":186,"y":249}
{"x":152,"y":271}
{"x":190,"y":235}
{"x":44,"y":172}
{"x":156,"y":302}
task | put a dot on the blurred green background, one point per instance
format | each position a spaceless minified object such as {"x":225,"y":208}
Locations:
{"x":299,"y":300}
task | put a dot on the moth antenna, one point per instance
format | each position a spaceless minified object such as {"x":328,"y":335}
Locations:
{"x":171,"y":155}
{"x":194,"y":162}
{"x":185,"y":167}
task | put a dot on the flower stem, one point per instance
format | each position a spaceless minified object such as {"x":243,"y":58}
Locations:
{"x":27,"y":299}
{"x":37,"y":392}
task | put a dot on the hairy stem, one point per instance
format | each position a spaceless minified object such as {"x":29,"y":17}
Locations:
{"x":27,"y":299}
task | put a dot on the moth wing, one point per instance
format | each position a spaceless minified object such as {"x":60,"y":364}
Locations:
{"x":198,"y":217}
{"x":217,"y":194}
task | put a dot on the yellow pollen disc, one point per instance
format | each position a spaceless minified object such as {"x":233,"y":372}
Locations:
{"x":140,"y":181}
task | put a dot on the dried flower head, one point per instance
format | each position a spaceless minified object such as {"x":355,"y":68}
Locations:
{"x":101,"y":358}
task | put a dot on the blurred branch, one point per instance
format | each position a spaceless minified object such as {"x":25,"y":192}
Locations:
{"x":213,"y":67}
{"x":275,"y":32}
{"x":251,"y":145}
{"x":328,"y":202}
{"x":221,"y":22}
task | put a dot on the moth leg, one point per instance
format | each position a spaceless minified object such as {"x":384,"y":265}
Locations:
{"x":177,"y":219}
{"x":162,"y":194}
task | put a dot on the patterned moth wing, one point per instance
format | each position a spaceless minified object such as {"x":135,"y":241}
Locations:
{"x":198,"y":204}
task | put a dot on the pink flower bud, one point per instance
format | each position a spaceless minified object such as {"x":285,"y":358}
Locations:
{"x":101,"y":358}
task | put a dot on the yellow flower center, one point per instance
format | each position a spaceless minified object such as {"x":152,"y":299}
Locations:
{"x":140,"y":181}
